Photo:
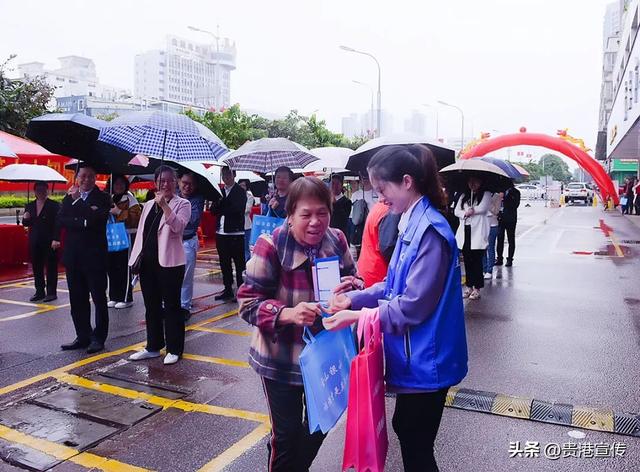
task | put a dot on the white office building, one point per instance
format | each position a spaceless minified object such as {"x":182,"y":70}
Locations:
{"x":187,"y":72}
{"x":76,"y":76}
{"x":416,"y":123}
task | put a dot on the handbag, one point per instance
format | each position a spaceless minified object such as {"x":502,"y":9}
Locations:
{"x":325,"y":364}
{"x":117,"y":236}
{"x":366,"y":440}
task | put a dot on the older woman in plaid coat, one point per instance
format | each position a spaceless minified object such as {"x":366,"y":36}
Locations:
{"x":277,"y":297}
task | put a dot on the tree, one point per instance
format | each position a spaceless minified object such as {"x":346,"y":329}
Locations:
{"x":553,"y":165}
{"x":533,"y":168}
{"x":21,"y":100}
{"x":107,"y":116}
{"x":233,"y":126}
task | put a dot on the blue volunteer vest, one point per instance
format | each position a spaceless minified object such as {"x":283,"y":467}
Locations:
{"x":433,"y":354}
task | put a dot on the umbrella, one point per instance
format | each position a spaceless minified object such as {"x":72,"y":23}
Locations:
{"x":267,"y":154}
{"x":257,"y":184}
{"x":524,"y":172}
{"x":331,"y":159}
{"x":30,"y":173}
{"x":207,"y":185}
{"x":360,"y":159}
{"x":507,"y":167}
{"x":23,"y":148}
{"x":76,"y":135}
{"x":493,"y":178}
{"x":164,"y":136}
{"x":5,"y":150}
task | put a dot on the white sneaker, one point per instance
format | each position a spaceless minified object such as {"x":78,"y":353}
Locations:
{"x":488,"y":276}
{"x":144,"y":354}
{"x":467,"y":291}
{"x":170,"y":359}
{"x":475,"y":295}
{"x":120,"y":305}
{"x":111,"y":304}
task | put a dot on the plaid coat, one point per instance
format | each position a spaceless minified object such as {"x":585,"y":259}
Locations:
{"x":278,"y":276}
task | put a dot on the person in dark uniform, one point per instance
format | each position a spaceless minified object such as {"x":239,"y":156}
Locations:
{"x":230,"y":235}
{"x":83,"y":215}
{"x":341,"y":206}
{"x":507,"y":220}
{"x":40,"y":217}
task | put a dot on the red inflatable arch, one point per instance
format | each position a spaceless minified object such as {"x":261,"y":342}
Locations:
{"x":563,"y":146}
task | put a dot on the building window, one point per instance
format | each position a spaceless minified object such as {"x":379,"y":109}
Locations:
{"x":80,"y":105}
{"x":635,"y":83}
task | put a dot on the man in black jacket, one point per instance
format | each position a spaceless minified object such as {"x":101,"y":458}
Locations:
{"x":341,"y":206}
{"x":83,"y":215}
{"x":40,"y":216}
{"x":230,"y":234}
{"x":507,"y":219}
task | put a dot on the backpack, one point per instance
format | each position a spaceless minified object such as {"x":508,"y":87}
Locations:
{"x":360,"y":212}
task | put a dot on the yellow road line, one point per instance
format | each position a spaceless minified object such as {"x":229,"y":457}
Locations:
{"x":35,"y":305}
{"x":617,"y":247}
{"x":29,"y":285}
{"x":236,"y":450}
{"x":36,"y":312}
{"x":66,"y":453}
{"x":209,"y":272}
{"x":213,"y":319}
{"x":161,"y":401}
{"x":215,"y":360}
{"x":232,"y":332}
{"x":92,"y":359}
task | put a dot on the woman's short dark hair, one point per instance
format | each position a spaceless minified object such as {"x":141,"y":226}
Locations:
{"x":287,"y":170}
{"x":247,"y":182}
{"x":308,"y":187}
{"x":127,"y":184}
{"x":40,"y":183}
{"x":162,"y":169}
{"x":392,"y":163}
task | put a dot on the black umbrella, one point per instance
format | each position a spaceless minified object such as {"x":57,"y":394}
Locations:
{"x":457,"y":175}
{"x":360,"y":159}
{"x":76,"y":135}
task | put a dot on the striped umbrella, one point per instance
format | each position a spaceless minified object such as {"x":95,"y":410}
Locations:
{"x":267,"y":154}
{"x":162,"y":135}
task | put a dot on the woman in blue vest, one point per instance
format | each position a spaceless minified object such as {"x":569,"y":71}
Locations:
{"x":420,"y":302}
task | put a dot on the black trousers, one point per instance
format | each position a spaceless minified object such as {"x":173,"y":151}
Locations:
{"x":42,"y":256}
{"x":120,"y":289}
{"x":89,"y":277}
{"x":416,"y":420}
{"x":473,"y":267}
{"x":161,"y":293}
{"x":231,"y":249}
{"x":291,"y":448}
{"x":510,"y":229}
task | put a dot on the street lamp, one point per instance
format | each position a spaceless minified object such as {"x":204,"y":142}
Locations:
{"x":371,"y":89}
{"x":348,"y":49}
{"x":216,"y":73}
{"x":436,"y":110}
{"x":462,"y":128}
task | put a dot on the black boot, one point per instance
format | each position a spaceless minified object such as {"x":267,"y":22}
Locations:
{"x":498,"y":261}
{"x":509,"y":263}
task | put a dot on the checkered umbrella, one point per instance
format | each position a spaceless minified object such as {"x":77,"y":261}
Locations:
{"x":267,"y":154}
{"x":162,"y":135}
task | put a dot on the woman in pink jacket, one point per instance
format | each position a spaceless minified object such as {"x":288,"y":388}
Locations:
{"x":159,"y":253}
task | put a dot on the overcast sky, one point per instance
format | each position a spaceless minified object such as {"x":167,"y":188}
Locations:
{"x":506,"y":63}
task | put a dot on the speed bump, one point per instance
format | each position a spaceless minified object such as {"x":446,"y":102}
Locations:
{"x":517,"y":407}
{"x":626,"y":423}
{"x":547,"y":412}
{"x":592,"y":418}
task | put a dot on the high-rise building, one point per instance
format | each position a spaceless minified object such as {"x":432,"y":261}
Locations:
{"x":76,"y":76}
{"x":416,"y":123}
{"x":187,"y":72}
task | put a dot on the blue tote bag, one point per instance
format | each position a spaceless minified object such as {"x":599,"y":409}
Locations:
{"x":263,"y":225}
{"x":325,"y":363}
{"x":117,"y":236}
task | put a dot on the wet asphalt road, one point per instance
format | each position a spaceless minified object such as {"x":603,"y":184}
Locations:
{"x":558,"y":326}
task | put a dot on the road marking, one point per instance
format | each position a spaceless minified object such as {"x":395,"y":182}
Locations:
{"x":165,"y":403}
{"x":232,"y":332}
{"x":36,"y":312}
{"x":617,"y":247}
{"x":35,"y":305}
{"x":30,"y":285}
{"x":89,"y":360}
{"x":236,"y":450}
{"x":223,"y":316}
{"x":65,"y":453}
{"x":215,"y":360}
{"x":210,"y":272}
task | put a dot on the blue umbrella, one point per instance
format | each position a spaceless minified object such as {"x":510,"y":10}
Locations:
{"x":507,"y":167}
{"x":162,"y":135}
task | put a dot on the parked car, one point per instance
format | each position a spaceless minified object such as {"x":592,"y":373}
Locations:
{"x":530,"y":192}
{"x":579,"y":191}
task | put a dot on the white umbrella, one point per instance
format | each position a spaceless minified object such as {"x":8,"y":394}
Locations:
{"x":214,"y":170}
{"x":331,"y":159}
{"x":30,"y":173}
